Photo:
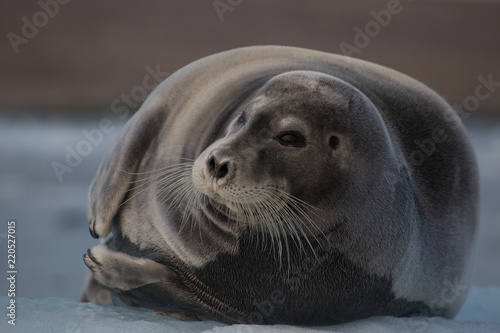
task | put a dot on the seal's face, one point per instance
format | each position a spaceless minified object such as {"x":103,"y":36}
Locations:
{"x":282,"y":149}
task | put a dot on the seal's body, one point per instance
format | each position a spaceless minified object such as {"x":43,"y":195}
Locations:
{"x":283,"y":185}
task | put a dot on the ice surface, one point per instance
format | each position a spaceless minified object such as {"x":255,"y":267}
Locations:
{"x":481,"y":313}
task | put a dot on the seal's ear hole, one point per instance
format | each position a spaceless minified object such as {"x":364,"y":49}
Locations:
{"x":242,"y":118}
{"x":333,"y":142}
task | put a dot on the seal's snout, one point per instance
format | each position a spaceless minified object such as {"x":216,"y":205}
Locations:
{"x":214,"y":170}
{"x":217,"y":167}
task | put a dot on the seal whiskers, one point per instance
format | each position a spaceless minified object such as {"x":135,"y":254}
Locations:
{"x":277,"y":216}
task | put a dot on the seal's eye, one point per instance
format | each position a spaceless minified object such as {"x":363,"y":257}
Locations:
{"x":333,"y":142}
{"x":292,"y":138}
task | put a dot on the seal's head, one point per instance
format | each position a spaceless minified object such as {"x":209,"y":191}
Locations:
{"x":305,"y":139}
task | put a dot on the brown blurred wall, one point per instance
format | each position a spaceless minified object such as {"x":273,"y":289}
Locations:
{"x":85,"y":54}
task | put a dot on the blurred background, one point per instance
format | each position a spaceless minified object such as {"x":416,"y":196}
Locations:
{"x":72,"y":72}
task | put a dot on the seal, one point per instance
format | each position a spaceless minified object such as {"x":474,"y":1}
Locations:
{"x":281,"y":185}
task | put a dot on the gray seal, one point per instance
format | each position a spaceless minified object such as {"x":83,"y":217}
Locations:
{"x":281,"y":185}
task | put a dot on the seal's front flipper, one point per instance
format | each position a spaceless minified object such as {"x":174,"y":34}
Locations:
{"x":140,"y":281}
{"x":121,"y":271}
{"x":169,"y":290}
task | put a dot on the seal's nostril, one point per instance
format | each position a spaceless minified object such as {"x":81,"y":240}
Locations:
{"x":218,"y":170}
{"x":211,"y":164}
{"x":223,"y":170}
